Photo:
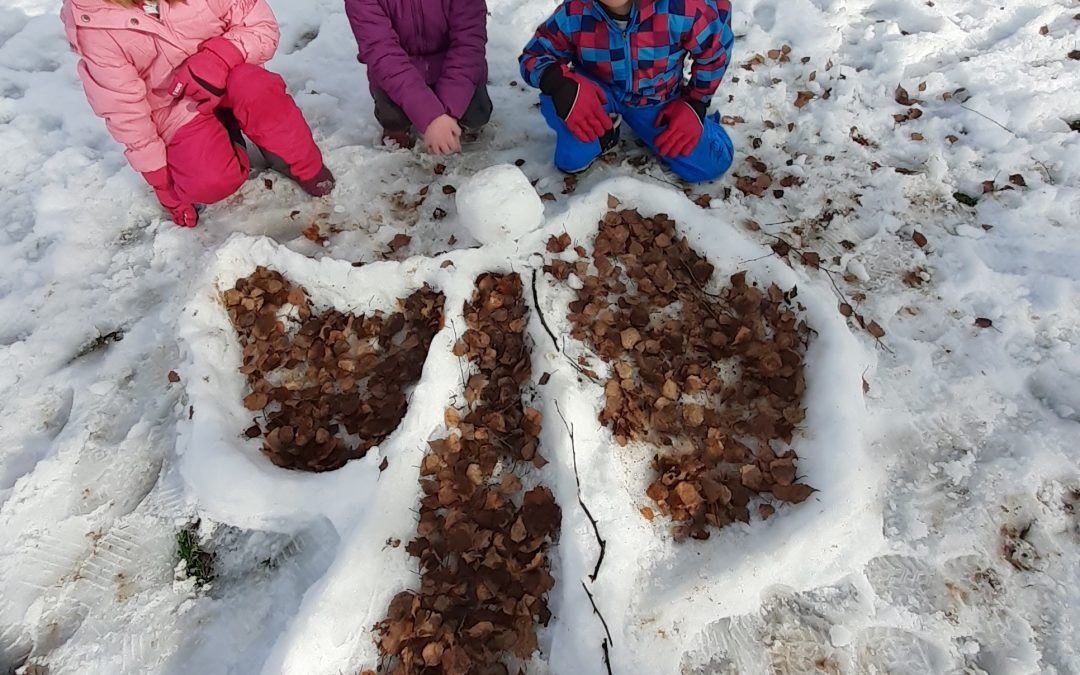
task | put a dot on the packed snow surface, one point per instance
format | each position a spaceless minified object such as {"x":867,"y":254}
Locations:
{"x":944,"y":536}
{"x":498,"y":204}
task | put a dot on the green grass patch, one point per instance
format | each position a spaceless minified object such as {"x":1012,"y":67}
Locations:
{"x":200,"y":563}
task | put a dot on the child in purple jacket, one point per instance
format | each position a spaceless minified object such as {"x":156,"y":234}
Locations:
{"x":426,"y":67}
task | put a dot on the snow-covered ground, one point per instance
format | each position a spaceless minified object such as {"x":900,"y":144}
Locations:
{"x":945,"y":537}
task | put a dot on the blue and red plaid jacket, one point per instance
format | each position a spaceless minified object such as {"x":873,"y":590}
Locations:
{"x":646,"y":60}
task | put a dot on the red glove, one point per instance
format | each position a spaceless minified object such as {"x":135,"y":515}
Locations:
{"x":578,"y":101}
{"x":684,"y":128}
{"x":182,"y":214}
{"x":202,"y":76}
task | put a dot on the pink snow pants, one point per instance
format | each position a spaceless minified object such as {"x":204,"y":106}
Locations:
{"x":207,"y":164}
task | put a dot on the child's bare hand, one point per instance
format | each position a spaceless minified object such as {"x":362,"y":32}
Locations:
{"x":443,"y":136}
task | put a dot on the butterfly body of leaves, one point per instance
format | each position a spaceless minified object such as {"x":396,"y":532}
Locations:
{"x":481,"y":537}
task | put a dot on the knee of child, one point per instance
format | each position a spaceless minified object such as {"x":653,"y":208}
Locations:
{"x":474,"y":120}
{"x":248,"y":82}
{"x":701,"y":171}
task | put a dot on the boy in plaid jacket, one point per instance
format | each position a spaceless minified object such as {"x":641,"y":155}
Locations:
{"x":599,"y":62}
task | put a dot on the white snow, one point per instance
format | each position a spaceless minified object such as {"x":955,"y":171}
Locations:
{"x":962,"y":449}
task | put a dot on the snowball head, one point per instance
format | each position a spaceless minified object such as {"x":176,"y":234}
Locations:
{"x":498,"y":204}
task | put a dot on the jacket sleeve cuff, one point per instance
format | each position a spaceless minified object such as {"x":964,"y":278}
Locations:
{"x":147,"y":158}
{"x":423,"y":109}
{"x":455,"y":98}
{"x":226,"y":50}
{"x":552,"y":78}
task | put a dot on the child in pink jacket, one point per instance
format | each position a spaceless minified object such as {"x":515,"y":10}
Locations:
{"x":177,"y":81}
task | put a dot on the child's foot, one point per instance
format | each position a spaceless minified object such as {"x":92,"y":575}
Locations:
{"x":402,"y":137}
{"x":319,"y":186}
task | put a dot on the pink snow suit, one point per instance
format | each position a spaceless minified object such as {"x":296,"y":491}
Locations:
{"x":129,"y":59}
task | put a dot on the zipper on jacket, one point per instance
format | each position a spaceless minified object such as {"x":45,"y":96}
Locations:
{"x":625,"y":34}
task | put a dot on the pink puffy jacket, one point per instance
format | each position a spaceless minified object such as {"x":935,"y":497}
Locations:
{"x":128,"y":58}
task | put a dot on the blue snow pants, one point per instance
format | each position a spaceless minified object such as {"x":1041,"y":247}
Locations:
{"x":708,"y":161}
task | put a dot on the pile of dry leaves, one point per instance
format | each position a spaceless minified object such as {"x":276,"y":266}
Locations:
{"x":713,"y":380}
{"x":329,"y":386}
{"x":481,"y":539}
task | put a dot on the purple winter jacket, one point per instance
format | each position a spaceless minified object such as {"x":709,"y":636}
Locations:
{"x":427,"y":55}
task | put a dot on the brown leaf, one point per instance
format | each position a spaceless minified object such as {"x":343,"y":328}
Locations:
{"x":449,"y":189}
{"x":311,"y":232}
{"x":1018,"y":180}
{"x":983,"y":322}
{"x":793,"y":494}
{"x":558,"y":244}
{"x":845,"y":309}
{"x":811,"y":259}
{"x":647,"y":513}
{"x":612,"y":202}
{"x":173,"y":377}
{"x":903,"y":98}
{"x":874,"y":329}
{"x":399,"y":241}
{"x":629,"y":338}
{"x":256,"y":401}
{"x":803,"y":98}
{"x":919,"y":238}
{"x":384,"y":464}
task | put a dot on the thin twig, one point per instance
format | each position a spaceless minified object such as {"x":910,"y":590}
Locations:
{"x":540,"y":313}
{"x":607,"y":657}
{"x":1049,"y":176}
{"x":829,"y":274}
{"x":596,"y":610}
{"x":544,"y":323}
{"x":577,"y":480}
{"x":987,"y":117}
{"x":461,"y":370}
